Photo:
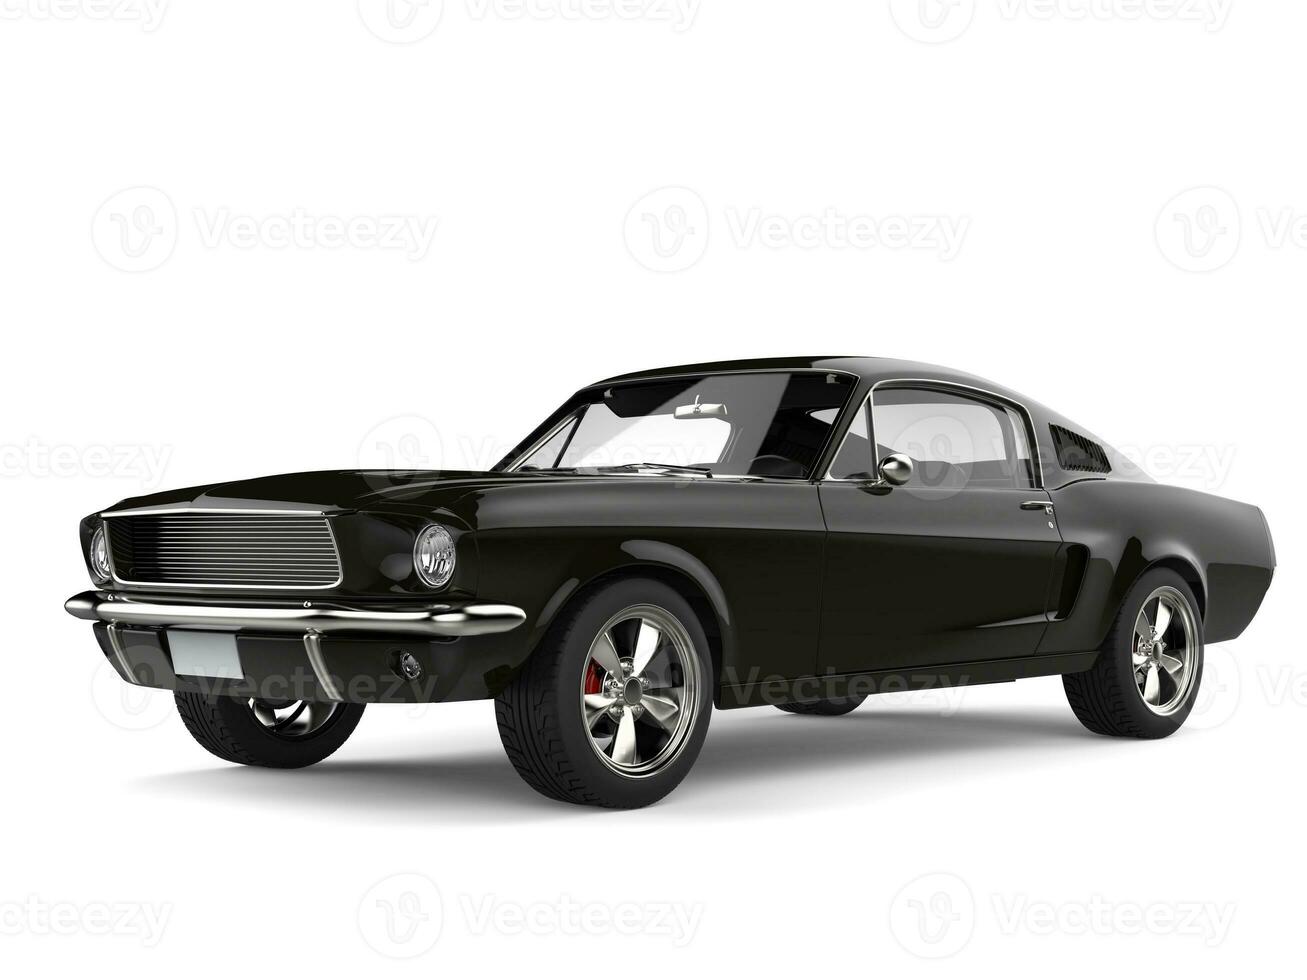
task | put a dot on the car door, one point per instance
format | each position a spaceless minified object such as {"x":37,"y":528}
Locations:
{"x":951,"y":567}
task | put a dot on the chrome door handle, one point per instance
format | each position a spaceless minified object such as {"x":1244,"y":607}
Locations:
{"x":1043,"y":505}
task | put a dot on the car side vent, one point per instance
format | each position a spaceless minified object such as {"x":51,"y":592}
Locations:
{"x":1075,"y":452}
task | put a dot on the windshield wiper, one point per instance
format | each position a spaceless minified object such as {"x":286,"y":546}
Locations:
{"x":660,"y":467}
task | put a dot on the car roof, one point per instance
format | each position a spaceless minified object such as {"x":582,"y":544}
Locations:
{"x":869,"y":369}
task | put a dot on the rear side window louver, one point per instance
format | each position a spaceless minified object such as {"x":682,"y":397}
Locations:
{"x":1075,"y":452}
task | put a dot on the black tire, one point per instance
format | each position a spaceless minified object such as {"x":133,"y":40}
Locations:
{"x":1107,"y":698}
{"x":829,"y":707}
{"x":229,"y":729}
{"x":542,"y":721}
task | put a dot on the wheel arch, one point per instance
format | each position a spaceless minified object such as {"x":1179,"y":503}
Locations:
{"x":1188,"y":571}
{"x":672,"y":566}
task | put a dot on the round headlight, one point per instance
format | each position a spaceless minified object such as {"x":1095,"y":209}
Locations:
{"x":100,"y":556}
{"x":433,"y":556}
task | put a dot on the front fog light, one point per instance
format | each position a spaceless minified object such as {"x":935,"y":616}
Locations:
{"x":100,"y":556}
{"x":433,"y":556}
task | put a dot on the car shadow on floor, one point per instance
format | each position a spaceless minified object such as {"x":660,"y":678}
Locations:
{"x":751,"y":758}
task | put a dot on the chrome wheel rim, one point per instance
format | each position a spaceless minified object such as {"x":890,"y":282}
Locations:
{"x":291,"y":719}
{"x":640,"y":690}
{"x":1165,"y":649}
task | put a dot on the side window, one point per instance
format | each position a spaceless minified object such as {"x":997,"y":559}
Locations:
{"x":855,"y":459}
{"x":953,"y":440}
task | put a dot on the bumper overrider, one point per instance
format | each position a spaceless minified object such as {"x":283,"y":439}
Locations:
{"x":313,"y":650}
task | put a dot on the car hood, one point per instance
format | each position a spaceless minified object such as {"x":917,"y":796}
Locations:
{"x":330,"y":491}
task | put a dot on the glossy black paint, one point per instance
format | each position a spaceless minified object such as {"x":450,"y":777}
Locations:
{"x":956,"y":576}
{"x":798,"y":582}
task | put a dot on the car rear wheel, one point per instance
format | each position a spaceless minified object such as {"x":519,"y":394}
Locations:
{"x":260,"y":732}
{"x":1145,"y":681}
{"x":613,"y":707}
{"x":827,"y":706}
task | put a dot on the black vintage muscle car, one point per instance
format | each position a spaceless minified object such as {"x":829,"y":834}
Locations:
{"x":799,"y":533}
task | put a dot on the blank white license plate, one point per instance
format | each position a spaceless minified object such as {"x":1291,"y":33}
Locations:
{"x":200,"y":654}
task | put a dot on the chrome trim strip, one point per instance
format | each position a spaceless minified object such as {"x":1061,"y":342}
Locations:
{"x":166,"y":586}
{"x":120,"y":651}
{"x":1032,"y":435}
{"x":540,"y":443}
{"x":158,"y":511}
{"x":473,"y":619}
{"x":313,"y":650}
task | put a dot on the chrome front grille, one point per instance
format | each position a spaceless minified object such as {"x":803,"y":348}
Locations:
{"x":260,"y":551}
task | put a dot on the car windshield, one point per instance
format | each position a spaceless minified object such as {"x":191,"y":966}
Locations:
{"x":761,"y":425}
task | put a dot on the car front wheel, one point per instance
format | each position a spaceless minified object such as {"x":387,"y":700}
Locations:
{"x":261,"y":732}
{"x":1145,"y":680}
{"x":613,"y":708}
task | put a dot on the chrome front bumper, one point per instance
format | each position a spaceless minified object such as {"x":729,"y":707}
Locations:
{"x":435,"y":620}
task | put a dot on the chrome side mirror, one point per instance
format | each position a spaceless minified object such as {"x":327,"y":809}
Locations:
{"x":896,"y":469}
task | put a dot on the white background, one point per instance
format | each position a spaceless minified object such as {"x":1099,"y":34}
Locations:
{"x":1062,"y":137}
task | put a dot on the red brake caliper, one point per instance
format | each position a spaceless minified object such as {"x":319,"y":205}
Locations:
{"x":593,"y":678}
